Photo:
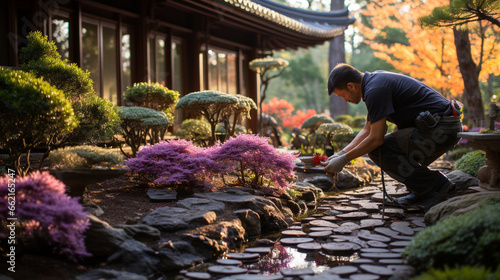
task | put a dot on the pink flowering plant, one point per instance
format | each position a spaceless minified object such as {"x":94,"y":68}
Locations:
{"x":258,"y":163}
{"x":43,"y":211}
{"x":177,"y":163}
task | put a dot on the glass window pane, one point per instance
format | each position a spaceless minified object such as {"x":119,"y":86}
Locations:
{"x":90,"y":53}
{"x":152,"y":64}
{"x":178,"y":56}
{"x":223,"y":72}
{"x":232,"y":78}
{"x":60,"y":35}
{"x":126,"y":60}
{"x":213,"y":77}
{"x":110,"y":90}
{"x":161,"y":63}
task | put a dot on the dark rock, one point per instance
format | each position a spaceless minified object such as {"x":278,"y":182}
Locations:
{"x":321,"y":181}
{"x":136,"y":257}
{"x":207,"y":204}
{"x":250,"y":221}
{"x":107,"y":274}
{"x":101,"y":239}
{"x":294,"y":206}
{"x":231,"y":232}
{"x":309,"y":196}
{"x":462,"y":180}
{"x":161,"y":195}
{"x":181,"y":255}
{"x":174,"y":218}
{"x":276,"y":202}
{"x":142,"y":232}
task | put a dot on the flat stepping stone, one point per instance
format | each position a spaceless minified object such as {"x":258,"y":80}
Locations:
{"x":320,"y":233}
{"x":350,"y":238}
{"x":344,"y":230}
{"x":391,"y":261}
{"x":374,"y":250}
{"x":255,"y":276}
{"x":386,"y":231}
{"x":343,"y":270}
{"x":292,"y":232}
{"x":259,"y":250}
{"x":308,"y":219}
{"x":243,"y":256}
{"x":393,"y":211}
{"x":418,"y":221}
{"x":320,"y":229}
{"x":369,"y":207}
{"x":345,"y":209}
{"x":323,"y":223}
{"x":353,"y":215}
{"x":402,"y":227}
{"x":376,"y":244}
{"x":362,"y":261}
{"x":364,"y":276}
{"x":338,"y":248}
{"x":294,"y":241}
{"x":290,"y":272}
{"x":233,"y":262}
{"x":371,"y":223}
{"x":397,"y":250}
{"x":379,"y":217}
{"x":161,"y":195}
{"x":329,"y":218}
{"x":295,"y":227}
{"x":226,"y":269}
{"x":376,"y":269}
{"x":198,"y":275}
{"x":402,"y":243}
{"x":372,"y":236}
{"x":350,"y":225}
{"x":312,"y":246}
{"x":323,"y":208}
{"x":380,"y":255}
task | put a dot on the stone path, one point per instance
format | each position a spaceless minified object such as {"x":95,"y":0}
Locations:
{"x":346,"y":238}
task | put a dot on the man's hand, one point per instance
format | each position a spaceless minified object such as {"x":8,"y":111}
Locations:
{"x":336,"y":164}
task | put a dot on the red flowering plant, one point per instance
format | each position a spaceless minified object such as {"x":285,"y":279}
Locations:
{"x":43,"y":212}
{"x":258,"y":164}
{"x":177,"y":163}
{"x":317,"y":159}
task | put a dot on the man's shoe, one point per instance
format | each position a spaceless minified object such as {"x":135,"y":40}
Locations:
{"x":410,"y":199}
{"x":438,"y":194}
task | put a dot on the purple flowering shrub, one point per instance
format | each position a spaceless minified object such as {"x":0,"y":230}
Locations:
{"x":178,"y":163}
{"x":257,"y":162}
{"x":43,"y":210}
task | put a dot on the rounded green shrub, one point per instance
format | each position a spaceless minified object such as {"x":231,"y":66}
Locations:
{"x":345,"y":119}
{"x":471,"y":162}
{"x":472,"y":238}
{"x":195,"y":130}
{"x":358,"y":122}
{"x":154,"y":96}
{"x":85,"y":156}
{"x":38,"y":47}
{"x":460,"y":273}
{"x":315,"y":121}
{"x":32,"y":112}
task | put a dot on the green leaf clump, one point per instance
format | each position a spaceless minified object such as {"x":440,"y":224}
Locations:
{"x":460,"y":273}
{"x":154,"y":96}
{"x":472,"y":238}
{"x":85,"y":157}
{"x":471,"y":162}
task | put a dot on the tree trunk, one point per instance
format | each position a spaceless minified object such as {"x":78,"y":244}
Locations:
{"x":337,"y":55}
{"x":470,"y":76}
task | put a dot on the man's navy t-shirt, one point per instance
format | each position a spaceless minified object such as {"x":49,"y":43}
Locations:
{"x":399,"y":98}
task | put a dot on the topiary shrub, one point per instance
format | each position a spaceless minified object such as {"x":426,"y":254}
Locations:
{"x":460,"y":273}
{"x":258,"y":164}
{"x":32,"y":112}
{"x":141,"y":125}
{"x":154,"y":96}
{"x":85,"y":156}
{"x":330,"y":130}
{"x":195,"y":130}
{"x":215,"y":106}
{"x":98,"y":117}
{"x":177,"y":163}
{"x":315,"y":140}
{"x":44,"y":212}
{"x":358,"y":122}
{"x":240,"y":110}
{"x":472,"y":238}
{"x":471,"y":162}
{"x":345,"y":119}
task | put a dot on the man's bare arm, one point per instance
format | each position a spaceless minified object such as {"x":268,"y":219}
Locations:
{"x":369,"y":142}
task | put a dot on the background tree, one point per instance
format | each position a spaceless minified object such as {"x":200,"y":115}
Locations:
{"x":460,"y":12}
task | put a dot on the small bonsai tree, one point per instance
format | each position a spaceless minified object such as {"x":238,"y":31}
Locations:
{"x":357,"y":122}
{"x":258,"y":164}
{"x":32,"y":112}
{"x":311,"y":125}
{"x":85,"y":156}
{"x":154,"y":96}
{"x":330,"y":130}
{"x":345,"y":119}
{"x":45,"y":212}
{"x":177,"y":163}
{"x":141,"y":125}
{"x":195,"y":130}
{"x":266,"y":68}
{"x":97,"y":117}
{"x":215,"y":106}
{"x":240,"y":110}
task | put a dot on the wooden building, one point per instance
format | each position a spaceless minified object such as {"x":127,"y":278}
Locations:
{"x":187,"y":45}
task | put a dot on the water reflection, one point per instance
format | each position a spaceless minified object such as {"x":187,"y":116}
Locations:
{"x":281,"y":257}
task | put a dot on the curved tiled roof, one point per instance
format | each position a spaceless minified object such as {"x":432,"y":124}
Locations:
{"x":310,"y":23}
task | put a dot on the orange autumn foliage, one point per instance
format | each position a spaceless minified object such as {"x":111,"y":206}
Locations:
{"x":283,"y":111}
{"x":430,"y":54}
